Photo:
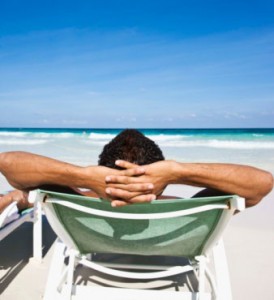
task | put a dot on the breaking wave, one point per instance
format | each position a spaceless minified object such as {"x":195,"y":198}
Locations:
{"x":176,"y":140}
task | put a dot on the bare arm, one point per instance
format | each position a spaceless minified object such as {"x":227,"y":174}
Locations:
{"x":26,"y":171}
{"x":248,"y":182}
{"x":18,"y":196}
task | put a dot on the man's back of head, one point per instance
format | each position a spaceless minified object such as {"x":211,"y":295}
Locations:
{"x":130,"y":145}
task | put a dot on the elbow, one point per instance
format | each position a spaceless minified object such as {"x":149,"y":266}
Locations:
{"x":8,"y":168}
{"x":4,"y":161}
{"x":268,"y":184}
{"x":265,"y":186}
{"x":7,"y":160}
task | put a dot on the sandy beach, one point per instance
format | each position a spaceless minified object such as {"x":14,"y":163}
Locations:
{"x":249,"y":243}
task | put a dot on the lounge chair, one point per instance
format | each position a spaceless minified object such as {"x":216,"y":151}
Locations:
{"x":189,"y":228}
{"x":11,"y":219}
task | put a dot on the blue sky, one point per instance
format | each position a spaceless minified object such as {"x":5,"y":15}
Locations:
{"x":139,"y":64}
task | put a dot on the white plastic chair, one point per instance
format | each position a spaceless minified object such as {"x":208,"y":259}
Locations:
{"x":190,"y":228}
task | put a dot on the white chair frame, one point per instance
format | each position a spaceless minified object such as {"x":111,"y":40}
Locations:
{"x":60,"y":280}
{"x":34,"y":216}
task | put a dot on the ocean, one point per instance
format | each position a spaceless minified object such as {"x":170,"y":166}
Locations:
{"x":249,"y":237}
{"x":82,"y":146}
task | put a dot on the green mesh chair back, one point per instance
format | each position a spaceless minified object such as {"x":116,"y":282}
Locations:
{"x":184,"y":235}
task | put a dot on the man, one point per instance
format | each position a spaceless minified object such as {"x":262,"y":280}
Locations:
{"x":130,"y":145}
{"x":133,"y":183}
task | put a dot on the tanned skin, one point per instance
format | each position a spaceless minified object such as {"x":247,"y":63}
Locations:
{"x":134,"y":184}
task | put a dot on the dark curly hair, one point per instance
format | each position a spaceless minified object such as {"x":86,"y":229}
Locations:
{"x":130,"y":145}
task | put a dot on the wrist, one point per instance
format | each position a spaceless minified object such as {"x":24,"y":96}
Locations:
{"x":70,"y":175}
{"x":173,"y":172}
{"x":179,"y":172}
{"x":84,"y":176}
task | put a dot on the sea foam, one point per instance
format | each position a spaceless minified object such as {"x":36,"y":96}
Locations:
{"x":218,"y":144}
{"x":175,"y":140}
{"x":23,"y":142}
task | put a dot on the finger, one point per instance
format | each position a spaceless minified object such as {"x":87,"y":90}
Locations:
{"x":122,"y":179}
{"x":125,"y":164}
{"x":120,"y":194}
{"x":131,"y":169}
{"x":142,"y":198}
{"x":118,"y":203}
{"x":135,"y":187}
{"x":133,"y":172}
{"x":137,"y":199}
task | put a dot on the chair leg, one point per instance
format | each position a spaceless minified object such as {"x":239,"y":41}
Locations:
{"x":222,"y":274}
{"x":212,"y":283}
{"x":67,"y":293}
{"x":55,"y":272}
{"x":202,"y":269}
{"x":37,"y":232}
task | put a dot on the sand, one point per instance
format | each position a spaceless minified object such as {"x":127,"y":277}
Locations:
{"x":249,"y":242}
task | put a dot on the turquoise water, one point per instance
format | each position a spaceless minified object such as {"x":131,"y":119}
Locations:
{"x":82,"y":146}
